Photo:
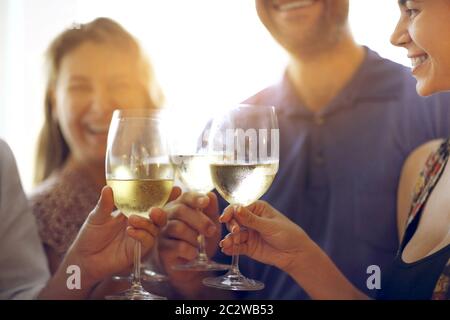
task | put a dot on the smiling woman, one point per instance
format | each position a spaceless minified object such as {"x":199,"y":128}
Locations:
{"x":423,"y":31}
{"x":93,"y":69}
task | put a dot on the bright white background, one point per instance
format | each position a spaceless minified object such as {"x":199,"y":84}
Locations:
{"x":207,"y":53}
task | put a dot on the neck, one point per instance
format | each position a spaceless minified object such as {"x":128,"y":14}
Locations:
{"x":318,"y":79}
{"x":96,"y":172}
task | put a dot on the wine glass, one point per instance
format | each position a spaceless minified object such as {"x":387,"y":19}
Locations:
{"x":139,"y":172}
{"x":242,"y":170}
{"x":189,"y":156}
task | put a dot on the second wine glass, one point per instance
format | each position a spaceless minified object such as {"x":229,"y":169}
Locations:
{"x":190,"y":158}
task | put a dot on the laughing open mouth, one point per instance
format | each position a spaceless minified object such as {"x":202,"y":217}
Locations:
{"x":418,"y":60}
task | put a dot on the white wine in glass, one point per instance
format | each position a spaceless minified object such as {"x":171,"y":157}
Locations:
{"x":233,"y":180}
{"x":244,"y":149}
{"x":139,"y":171}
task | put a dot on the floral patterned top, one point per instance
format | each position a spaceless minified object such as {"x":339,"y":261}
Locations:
{"x":428,"y":179}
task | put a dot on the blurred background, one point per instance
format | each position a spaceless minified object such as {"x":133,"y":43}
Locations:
{"x":207,"y":53}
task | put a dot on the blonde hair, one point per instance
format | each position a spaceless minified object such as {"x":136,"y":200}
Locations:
{"x":52,"y":148}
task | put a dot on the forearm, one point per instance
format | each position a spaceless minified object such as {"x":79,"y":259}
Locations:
{"x":57,"y":287}
{"x":320,"y":278}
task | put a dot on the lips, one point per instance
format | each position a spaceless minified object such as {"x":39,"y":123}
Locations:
{"x":97,"y":129}
{"x":283,"y":5}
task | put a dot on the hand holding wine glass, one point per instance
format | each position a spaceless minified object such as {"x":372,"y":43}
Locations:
{"x":269,"y":236}
{"x":190,"y":158}
{"x":188,"y":216}
{"x":103,"y":246}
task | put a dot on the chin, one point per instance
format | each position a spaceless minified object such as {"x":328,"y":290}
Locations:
{"x":97,"y":159}
{"x":424,"y":89}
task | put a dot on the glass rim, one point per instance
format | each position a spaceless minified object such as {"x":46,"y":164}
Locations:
{"x":137,"y":113}
{"x":253,"y":105}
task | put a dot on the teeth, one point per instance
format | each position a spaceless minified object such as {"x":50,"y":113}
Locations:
{"x":294,"y":5}
{"x":418,"y":60}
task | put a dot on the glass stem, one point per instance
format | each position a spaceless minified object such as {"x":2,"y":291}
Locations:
{"x":234,"y":269}
{"x":202,"y":256}
{"x":136,"y":282}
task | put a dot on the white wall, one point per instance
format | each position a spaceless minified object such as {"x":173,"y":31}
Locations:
{"x":207,"y":53}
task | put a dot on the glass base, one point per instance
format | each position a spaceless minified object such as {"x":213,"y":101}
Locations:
{"x":201,"y":265}
{"x":146,"y":275}
{"x":234,"y":281}
{"x":135,"y":293}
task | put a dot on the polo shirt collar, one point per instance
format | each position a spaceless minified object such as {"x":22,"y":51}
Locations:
{"x":363,"y":85}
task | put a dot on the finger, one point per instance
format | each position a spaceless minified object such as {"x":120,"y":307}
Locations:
{"x":179,"y":249}
{"x":248,"y":219}
{"x":242,"y":249}
{"x":144,"y":237}
{"x":116,"y":213}
{"x":227,"y":214}
{"x":143,"y":224}
{"x":233,"y":226}
{"x":195,"y":219}
{"x":180,"y":231}
{"x":105,"y":205}
{"x":158,"y":216}
{"x":232,"y":239}
{"x":175,"y":193}
{"x":194,"y":200}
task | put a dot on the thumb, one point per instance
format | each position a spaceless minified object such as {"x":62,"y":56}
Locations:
{"x":105,"y":205}
{"x":252,"y":221}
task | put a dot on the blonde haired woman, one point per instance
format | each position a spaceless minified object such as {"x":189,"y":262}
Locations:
{"x":93,"y":68}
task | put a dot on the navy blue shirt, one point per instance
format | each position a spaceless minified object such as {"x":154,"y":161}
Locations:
{"x":339,"y":168}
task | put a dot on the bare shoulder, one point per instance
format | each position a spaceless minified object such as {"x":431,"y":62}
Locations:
{"x":408,"y":179}
{"x":416,"y":160}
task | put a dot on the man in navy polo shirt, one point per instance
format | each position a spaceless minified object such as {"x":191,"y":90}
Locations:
{"x":348,"y":119}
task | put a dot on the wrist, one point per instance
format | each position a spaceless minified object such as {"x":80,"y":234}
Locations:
{"x":72,"y":259}
{"x":303,"y":259}
{"x":61,"y":287}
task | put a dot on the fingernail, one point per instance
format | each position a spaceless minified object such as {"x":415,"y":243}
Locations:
{"x":202,"y":201}
{"x":211,"y":230}
{"x":221,"y":243}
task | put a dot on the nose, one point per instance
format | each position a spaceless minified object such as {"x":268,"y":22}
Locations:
{"x":400,"y":37}
{"x":102,"y":102}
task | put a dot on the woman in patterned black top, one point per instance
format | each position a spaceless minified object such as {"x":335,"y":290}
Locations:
{"x":421,"y":269}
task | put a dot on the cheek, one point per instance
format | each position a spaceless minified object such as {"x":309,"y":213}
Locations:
{"x":424,"y":34}
{"x":69,"y":114}
{"x":129,"y":99}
